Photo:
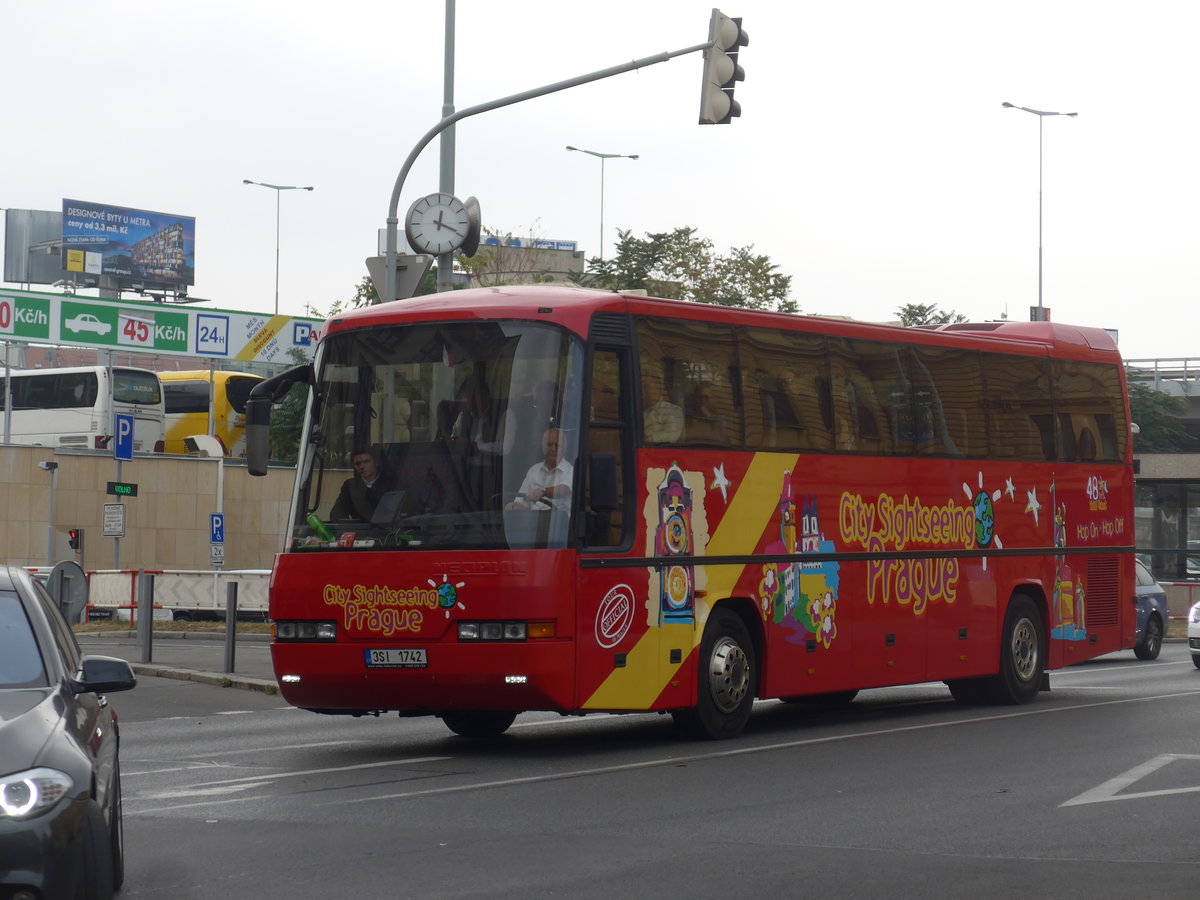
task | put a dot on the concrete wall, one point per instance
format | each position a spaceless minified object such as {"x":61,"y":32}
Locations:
{"x":1181,"y":596}
{"x":1168,"y":466}
{"x":166,"y":525}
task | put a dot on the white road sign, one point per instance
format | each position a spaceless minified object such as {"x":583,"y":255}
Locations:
{"x":114,"y":520}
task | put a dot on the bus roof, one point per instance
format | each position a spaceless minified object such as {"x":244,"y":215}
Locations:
{"x":203,"y":374}
{"x":572,"y":307}
{"x":67,"y":369}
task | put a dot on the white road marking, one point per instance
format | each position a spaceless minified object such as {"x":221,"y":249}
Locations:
{"x":1112,"y":789}
{"x":742,"y":751}
{"x":231,"y":785}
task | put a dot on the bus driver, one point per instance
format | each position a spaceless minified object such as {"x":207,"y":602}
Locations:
{"x":547,"y":484}
{"x":362,"y":491}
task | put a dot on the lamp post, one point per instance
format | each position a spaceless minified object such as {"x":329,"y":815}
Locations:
{"x":1041,"y":114}
{"x":602,"y":157}
{"x":278,"y":189}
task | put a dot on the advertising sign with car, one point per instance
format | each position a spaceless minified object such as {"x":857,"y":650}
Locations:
{"x":108,"y":324}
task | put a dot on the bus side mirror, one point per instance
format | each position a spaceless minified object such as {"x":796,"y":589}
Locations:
{"x":258,"y":435}
{"x":258,"y":414}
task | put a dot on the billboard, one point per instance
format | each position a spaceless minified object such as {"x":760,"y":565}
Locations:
{"x":33,"y":317}
{"x":33,"y":248}
{"x":135,"y":246}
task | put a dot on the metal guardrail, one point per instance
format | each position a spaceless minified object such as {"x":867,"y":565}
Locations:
{"x":179,"y":589}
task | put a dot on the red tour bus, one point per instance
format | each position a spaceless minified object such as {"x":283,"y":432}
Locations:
{"x":746,"y":505}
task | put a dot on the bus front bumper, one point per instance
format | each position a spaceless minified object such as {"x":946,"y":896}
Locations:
{"x":336,"y":677}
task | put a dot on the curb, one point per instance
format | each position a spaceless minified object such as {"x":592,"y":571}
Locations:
{"x":229,"y":680}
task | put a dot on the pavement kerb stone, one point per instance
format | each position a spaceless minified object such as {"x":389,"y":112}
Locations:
{"x":231,"y":679}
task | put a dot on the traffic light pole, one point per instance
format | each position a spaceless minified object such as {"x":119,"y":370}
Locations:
{"x":389,"y":289}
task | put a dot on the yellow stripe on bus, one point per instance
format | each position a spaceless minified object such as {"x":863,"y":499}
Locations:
{"x":646,"y":672}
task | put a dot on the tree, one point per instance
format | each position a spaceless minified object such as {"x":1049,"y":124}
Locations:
{"x":681,"y":266}
{"x":913,"y":314}
{"x":287,"y":416}
{"x":1157,"y":417}
{"x":504,"y":259}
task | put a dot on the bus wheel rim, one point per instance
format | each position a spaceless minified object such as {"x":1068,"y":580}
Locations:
{"x":728,"y":675}
{"x":1025,"y":649}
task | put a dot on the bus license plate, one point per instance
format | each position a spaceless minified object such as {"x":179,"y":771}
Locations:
{"x":396,"y":658}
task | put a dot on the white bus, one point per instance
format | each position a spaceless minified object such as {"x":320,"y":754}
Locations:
{"x":75,"y":408}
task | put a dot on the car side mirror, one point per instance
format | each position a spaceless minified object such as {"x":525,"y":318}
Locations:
{"x":103,"y":675}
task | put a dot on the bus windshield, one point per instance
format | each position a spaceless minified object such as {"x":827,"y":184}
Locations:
{"x":136,"y":386}
{"x":441,"y":436}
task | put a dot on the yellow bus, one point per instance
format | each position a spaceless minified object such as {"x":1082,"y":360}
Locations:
{"x":195,"y":398}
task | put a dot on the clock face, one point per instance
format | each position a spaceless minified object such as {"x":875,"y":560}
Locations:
{"x":437,"y":224}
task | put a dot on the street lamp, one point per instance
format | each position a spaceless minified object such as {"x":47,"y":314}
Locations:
{"x":603,"y":157}
{"x":1041,"y":114}
{"x":277,"y":188}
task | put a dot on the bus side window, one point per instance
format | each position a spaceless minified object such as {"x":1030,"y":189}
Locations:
{"x":947,"y":385}
{"x":865,"y":384}
{"x":787,"y":401}
{"x":1090,"y":420}
{"x":1015,"y":393}
{"x":698,"y":362}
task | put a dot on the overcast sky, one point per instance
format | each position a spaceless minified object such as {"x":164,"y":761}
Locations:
{"x":872,"y":162}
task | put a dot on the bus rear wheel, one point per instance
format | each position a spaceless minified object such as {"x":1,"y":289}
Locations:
{"x":479,"y":723}
{"x":1022,"y":654}
{"x":727,"y":672}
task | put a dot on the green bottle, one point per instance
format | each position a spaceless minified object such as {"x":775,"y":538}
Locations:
{"x":320,"y":529}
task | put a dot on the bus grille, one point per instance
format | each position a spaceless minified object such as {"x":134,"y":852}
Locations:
{"x":1101,"y":597}
{"x":610,"y":328}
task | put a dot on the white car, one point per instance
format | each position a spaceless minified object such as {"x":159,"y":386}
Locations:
{"x":87,"y":322}
{"x":1194,"y":633}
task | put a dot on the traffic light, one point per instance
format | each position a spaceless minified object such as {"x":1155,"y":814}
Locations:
{"x":75,"y":538}
{"x":721,"y":70}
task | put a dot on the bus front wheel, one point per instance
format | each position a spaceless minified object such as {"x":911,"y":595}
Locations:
{"x":726,"y":680}
{"x":479,"y":723}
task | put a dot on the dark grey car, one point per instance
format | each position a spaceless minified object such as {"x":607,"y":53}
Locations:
{"x":60,"y":776}
{"x":1152,"y":615}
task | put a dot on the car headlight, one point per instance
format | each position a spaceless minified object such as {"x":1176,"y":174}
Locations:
{"x":27,"y":794}
{"x":1194,"y":614}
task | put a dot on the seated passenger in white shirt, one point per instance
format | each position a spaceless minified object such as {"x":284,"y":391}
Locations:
{"x":547,"y":484}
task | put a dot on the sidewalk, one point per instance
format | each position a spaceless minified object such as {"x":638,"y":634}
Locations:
{"x":192,"y":656}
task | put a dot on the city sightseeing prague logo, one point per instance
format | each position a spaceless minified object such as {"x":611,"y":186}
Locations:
{"x":905,"y":523}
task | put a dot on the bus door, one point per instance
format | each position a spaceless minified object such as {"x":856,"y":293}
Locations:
{"x":621,"y":658}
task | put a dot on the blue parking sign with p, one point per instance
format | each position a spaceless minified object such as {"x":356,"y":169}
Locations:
{"x":123,"y":445}
{"x":217,"y":528}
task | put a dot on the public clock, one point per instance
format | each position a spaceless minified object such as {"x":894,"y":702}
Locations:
{"x":471,"y":244}
{"x":439,"y":223}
